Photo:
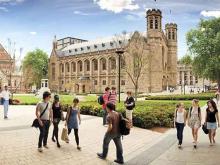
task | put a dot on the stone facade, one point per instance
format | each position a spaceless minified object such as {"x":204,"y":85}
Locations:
{"x":90,"y":66}
{"x":8,"y":74}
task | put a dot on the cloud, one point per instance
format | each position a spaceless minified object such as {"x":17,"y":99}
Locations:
{"x":80,"y":13}
{"x":12,"y":2}
{"x":211,"y":13}
{"x":4,"y":9}
{"x":33,"y":33}
{"x":116,"y":6}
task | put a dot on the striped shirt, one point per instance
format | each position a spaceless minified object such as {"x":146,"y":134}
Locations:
{"x":113,"y":97}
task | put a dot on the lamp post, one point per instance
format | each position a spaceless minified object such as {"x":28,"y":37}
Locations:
{"x":119,"y":52}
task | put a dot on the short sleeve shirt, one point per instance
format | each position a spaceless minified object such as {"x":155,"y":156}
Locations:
{"x":113,"y":118}
{"x":42,"y":105}
{"x":211,"y":118}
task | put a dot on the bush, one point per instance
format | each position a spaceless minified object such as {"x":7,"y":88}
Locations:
{"x":147,"y":114}
{"x":201,"y":96}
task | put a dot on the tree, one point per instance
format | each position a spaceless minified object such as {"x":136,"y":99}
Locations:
{"x":35,"y":67}
{"x":204,"y":45}
{"x":186,"y":60}
{"x":134,"y":57}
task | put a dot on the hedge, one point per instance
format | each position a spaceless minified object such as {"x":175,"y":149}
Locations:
{"x":146,"y":114}
{"x":201,"y":96}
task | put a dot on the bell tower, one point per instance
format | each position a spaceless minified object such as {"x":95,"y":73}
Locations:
{"x":171,"y":35}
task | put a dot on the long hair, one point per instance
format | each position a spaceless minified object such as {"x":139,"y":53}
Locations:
{"x":213,"y":105}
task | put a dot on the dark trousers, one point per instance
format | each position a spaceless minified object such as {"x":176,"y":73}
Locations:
{"x":105,"y":113}
{"x":117,"y":140}
{"x":56,"y":129}
{"x":179,"y":128}
{"x":44,"y":130}
{"x":76,"y":135}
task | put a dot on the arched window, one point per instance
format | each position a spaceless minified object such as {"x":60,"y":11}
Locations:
{"x":103,"y":63}
{"x":95,"y":64}
{"x":169,"y":35}
{"x":67,"y":67}
{"x":112,"y":63}
{"x":80,"y":67}
{"x":151,"y":24}
{"x":156,"y":22}
{"x":87,"y":65}
{"x":53,"y":71}
{"x":73,"y":67}
{"x":62,"y":68}
{"x":173,"y":35}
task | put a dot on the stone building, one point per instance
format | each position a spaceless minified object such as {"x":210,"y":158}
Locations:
{"x":82,"y":66}
{"x":8,"y":73}
{"x":185,"y":76}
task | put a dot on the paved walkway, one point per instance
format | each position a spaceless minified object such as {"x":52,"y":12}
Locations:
{"x":18,"y":145}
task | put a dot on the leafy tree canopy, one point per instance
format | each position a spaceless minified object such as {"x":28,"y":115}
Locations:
{"x":187,"y":60}
{"x":35,"y":66}
{"x":204,"y":45}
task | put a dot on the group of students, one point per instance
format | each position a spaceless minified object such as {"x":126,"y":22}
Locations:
{"x":194,"y":120}
{"x":47,"y":113}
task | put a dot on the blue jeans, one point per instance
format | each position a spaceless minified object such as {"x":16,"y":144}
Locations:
{"x":6,"y":103}
{"x":105,"y":113}
{"x":179,"y":128}
{"x":117,"y":140}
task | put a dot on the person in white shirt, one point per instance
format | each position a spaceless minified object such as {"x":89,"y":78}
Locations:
{"x":5,"y":100}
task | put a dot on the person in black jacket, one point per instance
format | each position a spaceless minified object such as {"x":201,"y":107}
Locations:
{"x":129,"y":105}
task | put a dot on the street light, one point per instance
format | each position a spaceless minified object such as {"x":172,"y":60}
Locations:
{"x":119,"y":52}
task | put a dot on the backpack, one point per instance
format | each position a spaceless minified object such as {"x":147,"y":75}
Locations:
{"x":101,"y":100}
{"x":124,"y":126}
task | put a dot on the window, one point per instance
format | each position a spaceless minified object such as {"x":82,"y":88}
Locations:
{"x":15,"y":83}
{"x":73,"y":65}
{"x":70,"y":51}
{"x":169,"y":35}
{"x":111,"y":43}
{"x":62,"y":82}
{"x":42,"y":84}
{"x":88,"y":47}
{"x":122,"y":82}
{"x":113,"y":82}
{"x":95,"y":46}
{"x":81,"y":49}
{"x":103,"y":45}
{"x":103,"y":61}
{"x":53,"y":71}
{"x":113,"y":63}
{"x":173,"y":35}
{"x":87,"y":65}
{"x":104,"y":82}
{"x":95,"y":65}
{"x":95,"y":82}
{"x":62,"y":68}
{"x":156,"y":22}
{"x":122,"y":63}
{"x":151,"y":24}
{"x":80,"y":66}
{"x":67,"y":67}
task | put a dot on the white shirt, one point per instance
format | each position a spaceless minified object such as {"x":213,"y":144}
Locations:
{"x":5,"y":94}
{"x":180,"y":117}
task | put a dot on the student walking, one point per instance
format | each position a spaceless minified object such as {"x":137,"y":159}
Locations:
{"x":112,"y":133}
{"x":57,"y":116}
{"x":73,"y":120}
{"x":44,"y":115}
{"x":211,"y":119}
{"x":180,"y":122}
{"x":195,"y":120}
{"x":113,"y":96}
{"x":129,"y":105}
{"x":5,"y":94}
{"x":106,"y":99}
{"x":217,"y":94}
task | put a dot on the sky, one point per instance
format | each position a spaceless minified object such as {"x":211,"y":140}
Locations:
{"x":31,"y":24}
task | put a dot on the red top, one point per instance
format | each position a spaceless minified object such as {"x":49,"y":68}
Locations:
{"x":105,"y":97}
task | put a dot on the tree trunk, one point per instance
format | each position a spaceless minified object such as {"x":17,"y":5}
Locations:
{"x":136,"y":92}
{"x":218,"y":85}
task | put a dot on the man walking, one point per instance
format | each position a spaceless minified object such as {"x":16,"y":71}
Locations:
{"x":5,"y":100}
{"x":44,"y":115}
{"x":112,"y":133}
{"x":129,"y":105}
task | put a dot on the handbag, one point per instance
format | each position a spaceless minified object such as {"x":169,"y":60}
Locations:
{"x":204,"y":128}
{"x":64,"y":135}
{"x":36,"y":122}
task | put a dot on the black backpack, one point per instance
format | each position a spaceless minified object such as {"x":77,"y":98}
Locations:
{"x":124,"y":126}
{"x":101,"y":100}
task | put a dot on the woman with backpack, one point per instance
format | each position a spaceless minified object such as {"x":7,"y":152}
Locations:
{"x":211,"y":119}
{"x":195,"y":120}
{"x":57,"y":116}
{"x":73,"y":120}
{"x":180,"y":122}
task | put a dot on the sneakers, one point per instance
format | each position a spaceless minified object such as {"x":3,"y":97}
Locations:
{"x":78,"y":148}
{"x":119,"y":161}
{"x":6,"y":117}
{"x":179,"y":146}
{"x":40,"y":149}
{"x":100,"y":156}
